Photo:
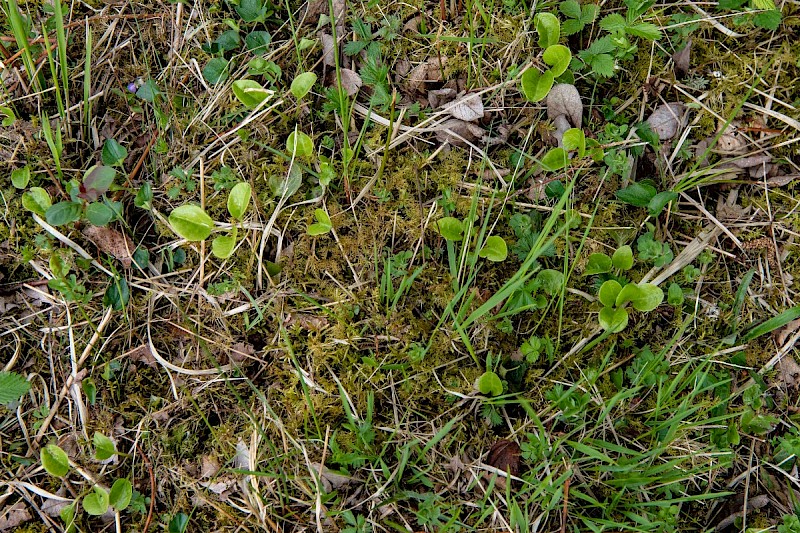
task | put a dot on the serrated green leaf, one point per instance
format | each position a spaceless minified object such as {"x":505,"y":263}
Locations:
{"x":302,"y":84}
{"x":536,"y":85}
{"x":768,"y":20}
{"x":121,"y":493}
{"x":495,"y":249}
{"x":558,"y":57}
{"x":239,"y":200}
{"x":191,"y":222}
{"x":571,"y":27}
{"x":54,"y":460}
{"x":613,"y":23}
{"x":249,"y":92}
{"x":645,"y":30}
{"x":570,"y":8}
{"x":96,"y":503}
{"x":590,"y":12}
{"x":602,"y":64}
{"x":12,"y":387}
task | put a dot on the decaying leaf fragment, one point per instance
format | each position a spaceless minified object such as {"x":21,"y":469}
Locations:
{"x":459,"y":133}
{"x":468,"y":108}
{"x":682,"y":59}
{"x":431,"y":71}
{"x":666,"y":119}
{"x":330,"y":479}
{"x":14,"y":516}
{"x":564,"y":99}
{"x":111,"y":242}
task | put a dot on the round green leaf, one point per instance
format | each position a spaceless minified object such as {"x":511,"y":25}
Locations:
{"x":96,"y":503}
{"x":36,"y":200}
{"x":239,"y":200}
{"x":644,"y":296}
{"x":20,"y":177}
{"x":613,"y":320}
{"x":555,"y":159}
{"x":121,"y":494}
{"x":249,"y":92}
{"x":300,"y":144}
{"x":450,"y":228}
{"x":608,"y":293}
{"x":63,"y":213}
{"x":549,"y":29}
{"x":191,"y":222}
{"x":285,"y":186}
{"x":597,"y":264}
{"x":67,"y":514}
{"x":557,"y":56}
{"x":216,"y":70}
{"x":323,"y":224}
{"x":536,"y":85}
{"x":574,"y":139}
{"x":222,"y":246}
{"x":494,"y":249}
{"x":551,"y":280}
{"x":113,"y":153}
{"x":54,"y":460}
{"x":99,"y":213}
{"x":98,"y":179}
{"x":489,"y":384}
{"x":104,"y":447}
{"x":623,"y":258}
{"x":675,"y":295}
{"x":302,"y":84}
{"x":258,"y":41}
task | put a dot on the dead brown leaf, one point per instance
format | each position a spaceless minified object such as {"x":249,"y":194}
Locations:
{"x":431,"y":71}
{"x":330,"y":479}
{"x":504,"y":455}
{"x":468,"y":108}
{"x":564,"y":99}
{"x":752,"y":161}
{"x":783,"y":334}
{"x":459,"y":133}
{"x":14,"y":516}
{"x":307,"y":322}
{"x":731,"y":141}
{"x":240,"y":352}
{"x":666,"y":120}
{"x":112,"y":242}
{"x":328,"y":49}
{"x":440,"y":97}
{"x":209,"y":467}
{"x":789,"y":371}
{"x":682,"y":59}
{"x":142,"y":354}
{"x":351,"y":81}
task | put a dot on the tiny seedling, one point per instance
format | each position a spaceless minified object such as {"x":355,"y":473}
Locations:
{"x":535,"y":84}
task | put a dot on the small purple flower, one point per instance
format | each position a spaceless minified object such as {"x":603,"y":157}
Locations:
{"x":132,"y":87}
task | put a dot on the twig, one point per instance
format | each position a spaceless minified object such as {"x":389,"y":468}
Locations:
{"x":152,"y":488}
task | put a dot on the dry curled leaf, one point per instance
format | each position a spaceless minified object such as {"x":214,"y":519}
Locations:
{"x":330,"y":479}
{"x":682,"y":59}
{"x":731,"y":141}
{"x":564,"y":99}
{"x":328,"y":49}
{"x":666,"y":119}
{"x":459,"y":133}
{"x":440,"y":97}
{"x":468,"y":108}
{"x":504,"y":455}
{"x":14,"y":516}
{"x":143,"y":354}
{"x":111,"y":242}
{"x":431,"y":71}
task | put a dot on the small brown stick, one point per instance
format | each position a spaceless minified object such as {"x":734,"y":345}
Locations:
{"x":566,"y":502}
{"x":152,"y":488}
{"x":140,"y":162}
